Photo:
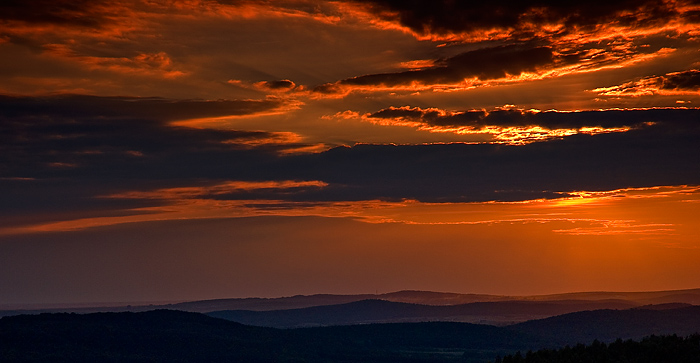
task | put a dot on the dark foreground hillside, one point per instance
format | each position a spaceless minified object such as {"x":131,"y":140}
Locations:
{"x":609,"y":325}
{"x":174,"y":336}
{"x":156,"y":336}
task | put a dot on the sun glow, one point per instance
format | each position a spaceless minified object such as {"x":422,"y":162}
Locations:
{"x":658,"y":213}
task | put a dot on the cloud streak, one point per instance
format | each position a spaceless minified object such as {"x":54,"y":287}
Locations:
{"x":478,"y":65}
{"x":448,"y":20}
{"x":110,"y":146}
{"x":151,"y":108}
{"x":495,"y":66}
{"x":506,"y":125}
{"x":595,"y":213}
{"x":675,"y":83}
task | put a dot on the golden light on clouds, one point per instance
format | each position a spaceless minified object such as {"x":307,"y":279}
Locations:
{"x":668,"y":213}
{"x":476,"y":123}
{"x":559,"y":137}
{"x":152,"y":64}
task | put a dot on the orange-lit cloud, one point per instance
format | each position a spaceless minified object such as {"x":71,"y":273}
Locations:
{"x":69,"y":18}
{"x":116,"y":19}
{"x":661,"y":213}
{"x":520,"y":43}
{"x":553,"y":41}
{"x":471,"y":70}
{"x":279,"y":106}
{"x":675,"y":83}
{"x":277,"y":86}
{"x":473,"y":22}
{"x":275,"y":138}
{"x":506,"y":125}
{"x":144,"y":64}
{"x":283,"y":142}
{"x":199,"y":125}
{"x":218,"y":189}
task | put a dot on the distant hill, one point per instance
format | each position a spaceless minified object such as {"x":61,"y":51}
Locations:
{"x":691,"y":296}
{"x":609,"y":325}
{"x":380,"y":311}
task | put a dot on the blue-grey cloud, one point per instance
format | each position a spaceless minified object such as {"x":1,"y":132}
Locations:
{"x":151,"y":108}
{"x":56,"y":161}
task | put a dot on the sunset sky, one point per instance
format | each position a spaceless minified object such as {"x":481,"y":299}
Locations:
{"x":156,"y":150}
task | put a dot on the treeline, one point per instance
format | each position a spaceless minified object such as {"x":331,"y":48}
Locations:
{"x":652,"y":349}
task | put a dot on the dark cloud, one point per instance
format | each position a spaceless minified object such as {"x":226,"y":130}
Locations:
{"x":664,"y":153}
{"x":484,"y":64}
{"x":445,"y":16}
{"x":681,"y":81}
{"x":284,"y":84}
{"x":161,"y":109}
{"x":669,"y":83}
{"x":542,"y":38}
{"x":58,"y":160}
{"x":86,"y":13}
{"x":551,"y":120}
{"x":72,"y":148}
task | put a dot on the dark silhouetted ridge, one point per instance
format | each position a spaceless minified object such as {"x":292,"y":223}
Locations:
{"x":380,"y":311}
{"x":609,"y":325}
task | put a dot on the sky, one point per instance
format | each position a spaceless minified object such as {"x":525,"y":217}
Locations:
{"x":156,"y":150}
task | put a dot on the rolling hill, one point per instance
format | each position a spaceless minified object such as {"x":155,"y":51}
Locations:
{"x":177,"y":336}
{"x":380,"y":311}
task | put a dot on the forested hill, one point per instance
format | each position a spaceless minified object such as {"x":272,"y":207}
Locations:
{"x":176,"y":336}
{"x":653,"y":349}
{"x":609,"y":325}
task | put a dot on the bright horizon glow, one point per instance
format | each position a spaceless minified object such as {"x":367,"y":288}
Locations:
{"x":207,"y":149}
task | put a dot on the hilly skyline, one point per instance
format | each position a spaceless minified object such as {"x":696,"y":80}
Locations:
{"x":187,"y":150}
{"x":401,"y":306}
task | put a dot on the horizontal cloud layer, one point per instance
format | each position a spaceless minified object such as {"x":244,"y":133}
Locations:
{"x":482,"y":64}
{"x":159,"y":109}
{"x":492,"y":66}
{"x":508,"y":117}
{"x":506,"y":125}
{"x":59,"y":158}
{"x":525,"y":18}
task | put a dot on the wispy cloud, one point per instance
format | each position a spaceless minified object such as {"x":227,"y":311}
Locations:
{"x":145,"y":64}
{"x":229,"y":187}
{"x":596,"y":213}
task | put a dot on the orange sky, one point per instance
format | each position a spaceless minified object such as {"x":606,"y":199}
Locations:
{"x":181,"y":150}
